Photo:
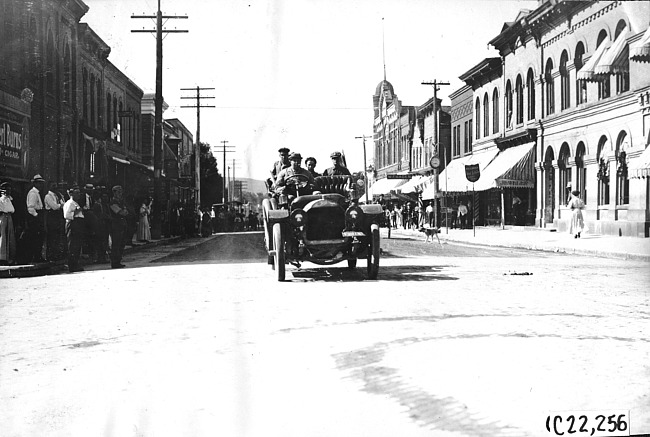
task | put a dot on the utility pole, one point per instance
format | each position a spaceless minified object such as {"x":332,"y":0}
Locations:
{"x":436,"y":142}
{"x":225,"y":149}
{"x":197,"y":149}
{"x":232,"y":197}
{"x":365,"y":165}
{"x":156,"y":222}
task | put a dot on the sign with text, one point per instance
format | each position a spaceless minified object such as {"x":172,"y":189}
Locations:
{"x":399,"y":176}
{"x":472,"y":172}
{"x":12,"y":140}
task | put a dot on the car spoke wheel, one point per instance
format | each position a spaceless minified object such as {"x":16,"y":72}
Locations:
{"x":278,"y":243}
{"x":268,"y":236}
{"x":373,"y":252}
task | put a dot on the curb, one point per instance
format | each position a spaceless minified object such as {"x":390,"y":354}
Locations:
{"x":50,"y":268}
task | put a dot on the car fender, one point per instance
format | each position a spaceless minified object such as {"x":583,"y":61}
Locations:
{"x":372,"y":209}
{"x":278,"y":215}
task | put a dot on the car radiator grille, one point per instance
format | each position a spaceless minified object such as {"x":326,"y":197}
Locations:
{"x":325,"y":224}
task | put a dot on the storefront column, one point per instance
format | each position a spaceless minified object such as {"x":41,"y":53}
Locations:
{"x":591,"y":187}
{"x":539,"y":193}
{"x":556,"y":192}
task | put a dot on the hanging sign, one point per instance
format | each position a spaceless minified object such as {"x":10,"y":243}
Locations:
{"x":472,"y":172}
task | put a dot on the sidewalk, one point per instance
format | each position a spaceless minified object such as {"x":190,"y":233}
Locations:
{"x":520,"y":237}
{"x":42,"y":269}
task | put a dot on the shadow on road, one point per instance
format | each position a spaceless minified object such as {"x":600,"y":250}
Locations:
{"x":390,"y":273}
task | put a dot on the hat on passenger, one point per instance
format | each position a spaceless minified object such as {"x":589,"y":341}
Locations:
{"x":38,"y":178}
{"x":295,"y":156}
{"x":335,"y":155}
{"x":283,"y":150}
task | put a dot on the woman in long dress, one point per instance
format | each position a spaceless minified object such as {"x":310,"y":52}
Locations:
{"x":577,"y":224}
{"x":7,"y":233}
{"x":144,"y":232}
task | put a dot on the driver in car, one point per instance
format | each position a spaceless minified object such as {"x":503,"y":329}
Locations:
{"x":295,"y":180}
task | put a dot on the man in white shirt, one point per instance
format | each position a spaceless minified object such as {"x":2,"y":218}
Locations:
{"x":34,"y":224}
{"x":54,"y":223}
{"x":462,"y":215}
{"x":74,"y":228}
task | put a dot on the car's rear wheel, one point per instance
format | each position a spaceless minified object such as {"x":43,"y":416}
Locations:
{"x":268,"y":237}
{"x":373,"y":252}
{"x":278,"y":243}
{"x":352,"y":263}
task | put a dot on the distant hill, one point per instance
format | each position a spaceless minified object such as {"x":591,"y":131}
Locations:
{"x":253,"y":185}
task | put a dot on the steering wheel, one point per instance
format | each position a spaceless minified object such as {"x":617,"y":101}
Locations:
{"x":299,"y":180}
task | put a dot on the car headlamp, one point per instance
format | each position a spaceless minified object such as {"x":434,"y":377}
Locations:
{"x":298,"y":217}
{"x":354,"y":215}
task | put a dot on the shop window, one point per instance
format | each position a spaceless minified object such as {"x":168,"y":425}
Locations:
{"x":565,"y":174}
{"x":603,"y":173}
{"x":622,"y":182}
{"x":581,"y":172}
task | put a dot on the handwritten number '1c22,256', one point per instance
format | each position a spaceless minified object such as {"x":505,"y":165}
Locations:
{"x":589,"y":423}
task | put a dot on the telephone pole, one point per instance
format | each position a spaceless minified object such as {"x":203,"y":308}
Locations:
{"x":156,"y":222}
{"x":436,"y":143}
{"x":225,"y":149}
{"x":197,"y":149}
{"x":365,"y":165}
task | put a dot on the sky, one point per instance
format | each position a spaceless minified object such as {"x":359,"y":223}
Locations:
{"x":297,"y":73}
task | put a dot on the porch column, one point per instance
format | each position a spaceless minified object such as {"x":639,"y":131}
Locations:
{"x":539,"y":193}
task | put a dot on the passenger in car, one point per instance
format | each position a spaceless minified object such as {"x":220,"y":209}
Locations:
{"x":337,"y":166}
{"x":295,"y":174}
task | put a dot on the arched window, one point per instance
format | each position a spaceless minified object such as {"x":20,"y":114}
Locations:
{"x":581,"y":171}
{"x":109,"y":112}
{"x":622,"y":181}
{"x":530,"y":87}
{"x":486,"y":115}
{"x":519,"y":91}
{"x":85,"y":94}
{"x":495,"y":111}
{"x":93,"y":120}
{"x":508,"y":103}
{"x":116,"y":120}
{"x":603,"y":171}
{"x":477,"y":117}
{"x":550,"y":87}
{"x":603,"y":84}
{"x":100,"y":117}
{"x":565,"y":84}
{"x":581,"y":85}
{"x":565,"y":174}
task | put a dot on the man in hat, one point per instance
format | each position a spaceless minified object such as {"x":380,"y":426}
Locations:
{"x":295,"y":169}
{"x":54,"y":223}
{"x":280,"y":165}
{"x":119,"y":214}
{"x":34,"y":223}
{"x":7,"y":233}
{"x":311,"y":166}
{"x":74,"y":227}
{"x":86,"y":203}
{"x":337,"y":167}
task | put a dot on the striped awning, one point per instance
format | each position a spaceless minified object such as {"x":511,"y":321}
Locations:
{"x":587,"y":71}
{"x":453,"y":178}
{"x":511,"y":168}
{"x":640,"y":50}
{"x":385,"y":186}
{"x":412,"y":185}
{"x":616,"y":58}
{"x":640,"y":166}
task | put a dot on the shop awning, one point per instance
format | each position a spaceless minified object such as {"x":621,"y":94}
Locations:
{"x":587,"y":71}
{"x":640,"y":50}
{"x":511,"y":168}
{"x":411,"y":186}
{"x":384,"y":186}
{"x":640,"y":166}
{"x":453,"y":178}
{"x":616,"y":58}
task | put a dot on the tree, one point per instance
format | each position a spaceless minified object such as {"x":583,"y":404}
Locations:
{"x":211,"y":180}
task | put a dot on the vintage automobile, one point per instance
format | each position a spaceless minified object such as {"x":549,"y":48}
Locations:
{"x":327,"y":227}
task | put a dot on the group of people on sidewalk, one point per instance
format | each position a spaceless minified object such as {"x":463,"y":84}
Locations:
{"x":81,"y":222}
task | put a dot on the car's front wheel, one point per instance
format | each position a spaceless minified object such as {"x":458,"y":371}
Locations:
{"x":373,"y":252}
{"x":268,"y":236}
{"x":278,"y":244}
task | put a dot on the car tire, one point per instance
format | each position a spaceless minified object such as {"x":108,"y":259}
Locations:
{"x":278,"y":243}
{"x":373,"y":252}
{"x":268,"y":237}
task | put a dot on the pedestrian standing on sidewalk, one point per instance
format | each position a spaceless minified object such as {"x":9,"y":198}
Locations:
{"x":35,"y":222}
{"x":429,"y":211}
{"x":144,"y":230}
{"x":102,"y":217}
{"x":462,"y":215}
{"x":7,"y":233}
{"x":54,"y":224}
{"x":119,"y":215}
{"x":74,"y":228}
{"x":577,"y":224}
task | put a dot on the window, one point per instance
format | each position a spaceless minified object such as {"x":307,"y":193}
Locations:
{"x":92,"y":101}
{"x":565,"y":84}
{"x":108,"y":111}
{"x":565,"y":174}
{"x":486,"y":115}
{"x":468,"y":130}
{"x":581,"y":172}
{"x":508,"y":103}
{"x":603,"y":84}
{"x":100,"y":123}
{"x":550,"y":88}
{"x":581,"y":85}
{"x":603,"y":172}
{"x":622,"y":181}
{"x":469,"y":144}
{"x":530,"y":87}
{"x":477,"y":117}
{"x":519,"y":91}
{"x":85,"y":95}
{"x":495,"y":111}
